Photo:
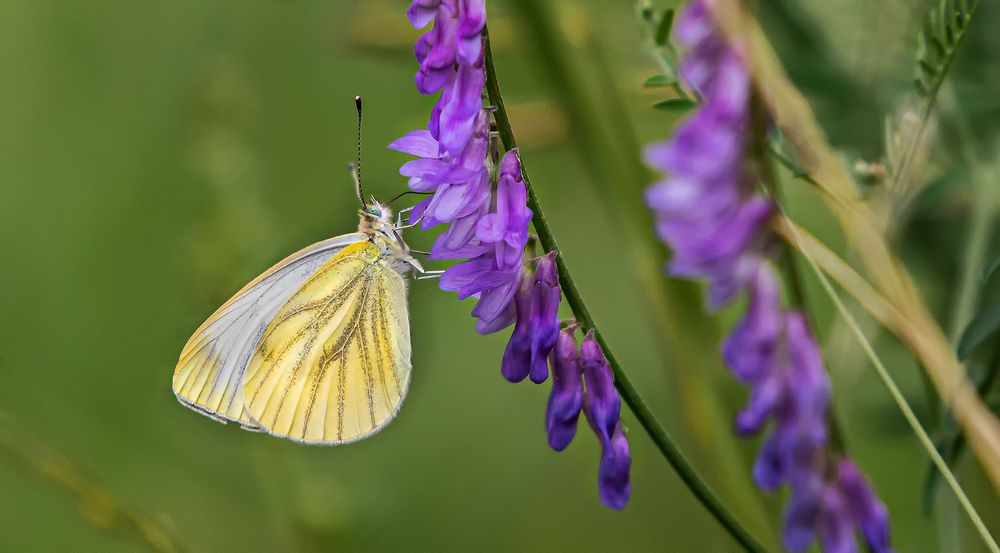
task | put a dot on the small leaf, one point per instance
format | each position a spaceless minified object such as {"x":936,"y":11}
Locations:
{"x":676,"y":105}
{"x":983,"y":325}
{"x":991,"y":268}
{"x":941,"y":50}
{"x":663,"y":30}
{"x":659,"y":80}
{"x":928,"y":68}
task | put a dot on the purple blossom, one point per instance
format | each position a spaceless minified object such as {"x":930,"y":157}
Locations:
{"x":613,"y":479}
{"x":836,"y":528}
{"x":508,"y":223}
{"x":545,"y":298}
{"x":536,"y":324}
{"x":803,"y":514}
{"x":868,"y":513}
{"x":603,"y":406}
{"x":566,"y":399}
{"x":451,"y":60}
{"x":516,"y":362}
{"x":488,"y":232}
{"x":710,"y":213}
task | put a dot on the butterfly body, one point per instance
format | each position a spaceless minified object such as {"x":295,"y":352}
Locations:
{"x":316,"y":349}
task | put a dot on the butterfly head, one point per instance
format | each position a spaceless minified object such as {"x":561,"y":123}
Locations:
{"x":375,"y":214}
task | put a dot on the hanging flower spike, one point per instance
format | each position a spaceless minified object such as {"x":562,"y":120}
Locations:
{"x":488,"y":232}
{"x":710,"y":213}
{"x":566,"y":398}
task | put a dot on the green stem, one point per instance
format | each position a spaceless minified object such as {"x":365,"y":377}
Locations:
{"x":639,"y":408}
{"x":793,"y":277}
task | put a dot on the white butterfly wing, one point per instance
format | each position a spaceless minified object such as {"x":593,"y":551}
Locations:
{"x":333,"y":366}
{"x":209,"y":374}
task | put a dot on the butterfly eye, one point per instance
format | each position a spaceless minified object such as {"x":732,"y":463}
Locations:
{"x":375,"y":211}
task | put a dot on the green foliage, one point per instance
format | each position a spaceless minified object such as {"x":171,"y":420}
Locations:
{"x":938,"y":41}
{"x":663,"y":29}
{"x":659,"y":80}
{"x":676,"y":105}
{"x":982,"y":327}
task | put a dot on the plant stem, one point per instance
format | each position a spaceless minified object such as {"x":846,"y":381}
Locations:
{"x":900,"y":399}
{"x":645,"y":417}
{"x":793,"y":278}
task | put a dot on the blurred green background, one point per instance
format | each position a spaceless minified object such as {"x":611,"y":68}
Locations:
{"x":155,"y":156}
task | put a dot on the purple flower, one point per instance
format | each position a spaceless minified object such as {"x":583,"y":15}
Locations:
{"x":488,"y":232}
{"x":508,"y":223}
{"x":451,"y":60}
{"x":836,"y":529}
{"x":566,"y":399}
{"x":516,"y":362}
{"x":613,"y":481}
{"x":461,"y":185}
{"x":454,"y":39}
{"x":867,"y":512}
{"x":802,"y":515}
{"x":544,"y":316}
{"x":711,"y":215}
{"x":536,"y":324}
{"x":751,"y":348}
{"x":603,"y":406}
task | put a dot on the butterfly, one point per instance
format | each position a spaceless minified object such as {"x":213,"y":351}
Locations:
{"x":316,"y":349}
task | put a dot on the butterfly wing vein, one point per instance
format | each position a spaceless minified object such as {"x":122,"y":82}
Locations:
{"x":209,"y":374}
{"x":333,"y":365}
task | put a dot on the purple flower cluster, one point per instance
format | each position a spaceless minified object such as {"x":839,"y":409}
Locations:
{"x":710,"y":214}
{"x":488,"y":231}
{"x":573,"y":370}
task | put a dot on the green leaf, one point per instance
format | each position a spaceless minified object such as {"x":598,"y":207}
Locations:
{"x":938,"y":41}
{"x":991,"y":268}
{"x":676,"y":105}
{"x":659,"y":80}
{"x":927,"y":68}
{"x":983,"y":325}
{"x":663,"y":30}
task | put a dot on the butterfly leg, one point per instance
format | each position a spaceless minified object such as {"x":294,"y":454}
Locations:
{"x":399,"y":217}
{"x":401,"y":226}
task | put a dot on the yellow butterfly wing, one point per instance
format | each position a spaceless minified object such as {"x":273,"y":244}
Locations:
{"x":209,"y":375}
{"x":333,"y":365}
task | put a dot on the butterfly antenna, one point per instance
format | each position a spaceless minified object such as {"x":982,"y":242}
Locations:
{"x":356,"y":169}
{"x":401,"y":194}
